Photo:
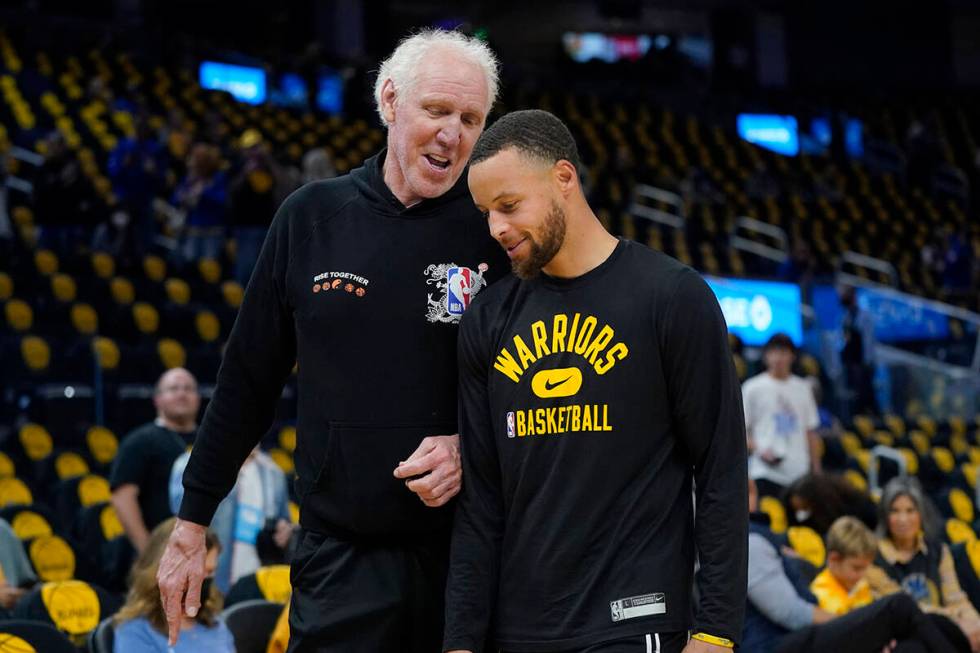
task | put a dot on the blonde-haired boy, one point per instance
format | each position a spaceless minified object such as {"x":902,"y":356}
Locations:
{"x":851,"y":549}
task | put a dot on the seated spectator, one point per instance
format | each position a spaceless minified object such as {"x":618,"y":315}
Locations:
{"x":851,"y":549}
{"x":16,"y":574}
{"x":141,"y":625}
{"x":782,"y":616}
{"x":913,"y":558}
{"x":817,"y":500}
{"x":259,"y":501}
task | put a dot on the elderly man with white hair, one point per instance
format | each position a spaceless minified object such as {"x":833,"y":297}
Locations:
{"x":362,"y":279}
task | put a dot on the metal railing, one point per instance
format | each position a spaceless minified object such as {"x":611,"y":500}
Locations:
{"x":675,"y":219}
{"x":778,"y":251}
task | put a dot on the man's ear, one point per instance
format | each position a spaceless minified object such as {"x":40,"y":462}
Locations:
{"x":388,"y":97}
{"x":566,"y":176}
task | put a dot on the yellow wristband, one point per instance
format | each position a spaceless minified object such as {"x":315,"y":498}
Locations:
{"x":711,"y":639}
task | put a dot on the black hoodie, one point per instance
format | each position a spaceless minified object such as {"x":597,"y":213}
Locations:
{"x":355,"y":288}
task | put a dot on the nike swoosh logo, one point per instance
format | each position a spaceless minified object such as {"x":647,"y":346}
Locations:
{"x":548,"y":385}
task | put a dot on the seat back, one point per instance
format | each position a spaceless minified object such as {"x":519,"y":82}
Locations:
{"x":101,"y":639}
{"x":41,"y":637}
{"x":251,"y":624}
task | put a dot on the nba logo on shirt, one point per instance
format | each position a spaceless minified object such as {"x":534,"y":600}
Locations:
{"x":460,"y":289}
{"x":510,"y":424}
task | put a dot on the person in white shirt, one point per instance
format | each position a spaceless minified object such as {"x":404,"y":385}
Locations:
{"x":780,"y":420}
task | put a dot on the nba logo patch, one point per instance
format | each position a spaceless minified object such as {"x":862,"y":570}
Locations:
{"x":460,"y":282}
{"x":510,"y":424}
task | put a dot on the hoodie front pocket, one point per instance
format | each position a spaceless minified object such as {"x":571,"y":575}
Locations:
{"x":356,"y":488}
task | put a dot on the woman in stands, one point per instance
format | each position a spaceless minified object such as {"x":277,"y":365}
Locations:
{"x":141,"y":626}
{"x":913,"y":558}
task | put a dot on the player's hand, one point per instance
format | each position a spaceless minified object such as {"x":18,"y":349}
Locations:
{"x":181,"y":573}
{"x":433,"y":471}
{"x":697,"y":646}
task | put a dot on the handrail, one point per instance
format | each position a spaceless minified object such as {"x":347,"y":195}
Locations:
{"x":780,"y":253}
{"x":868,"y":263}
{"x":674,"y":220}
{"x":881,"y":451}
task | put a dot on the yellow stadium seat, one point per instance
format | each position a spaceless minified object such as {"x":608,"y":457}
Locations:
{"x":7,"y":469}
{"x":959,"y":531}
{"x":122,"y":291}
{"x":856,"y":480}
{"x":103,"y":265}
{"x":146,"y":317}
{"x":806,"y":542}
{"x":6,"y":286}
{"x":36,"y":353}
{"x":14,"y":492}
{"x":287,"y":438}
{"x":23,"y":216}
{"x":293,"y":512}
{"x":53,"y":559}
{"x":84,"y":319}
{"x":232,"y":293}
{"x":777,"y":513}
{"x":895,"y":424}
{"x":63,"y":287}
{"x":961,"y":504}
{"x":209,"y":269}
{"x":28,"y":525}
{"x":178,"y":291}
{"x":19,"y":315}
{"x":155,"y":268}
{"x":110,"y":524}
{"x":273,"y":582}
{"x":171,"y":353}
{"x":928,"y":425}
{"x":46,"y":262}
{"x":106,"y":352}
{"x":864,"y":425}
{"x":283,"y":459}
{"x":911,"y":460}
{"x":93,"y":489}
{"x":36,"y":441}
{"x":207,"y":325}
{"x":69,"y":465}
{"x":102,"y":444}
{"x":920,"y":441}
{"x":944,"y":459}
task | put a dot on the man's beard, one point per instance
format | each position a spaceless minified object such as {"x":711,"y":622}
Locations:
{"x":552,"y":238}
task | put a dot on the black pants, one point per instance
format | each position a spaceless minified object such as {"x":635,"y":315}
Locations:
{"x":869,"y":629}
{"x":359,"y":596}
{"x":649,"y":643}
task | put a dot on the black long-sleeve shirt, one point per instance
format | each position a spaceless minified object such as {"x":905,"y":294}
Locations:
{"x":588,"y":409}
{"x":366,"y":296}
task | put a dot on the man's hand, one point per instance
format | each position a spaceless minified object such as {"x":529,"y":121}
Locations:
{"x":9,"y":595}
{"x":282,"y":534}
{"x":181,"y":573}
{"x":697,"y":646}
{"x":436,"y":461}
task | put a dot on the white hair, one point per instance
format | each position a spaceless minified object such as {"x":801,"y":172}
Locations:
{"x":402,"y":66}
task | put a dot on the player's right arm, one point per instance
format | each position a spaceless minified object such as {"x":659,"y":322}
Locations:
{"x":479,"y":523}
